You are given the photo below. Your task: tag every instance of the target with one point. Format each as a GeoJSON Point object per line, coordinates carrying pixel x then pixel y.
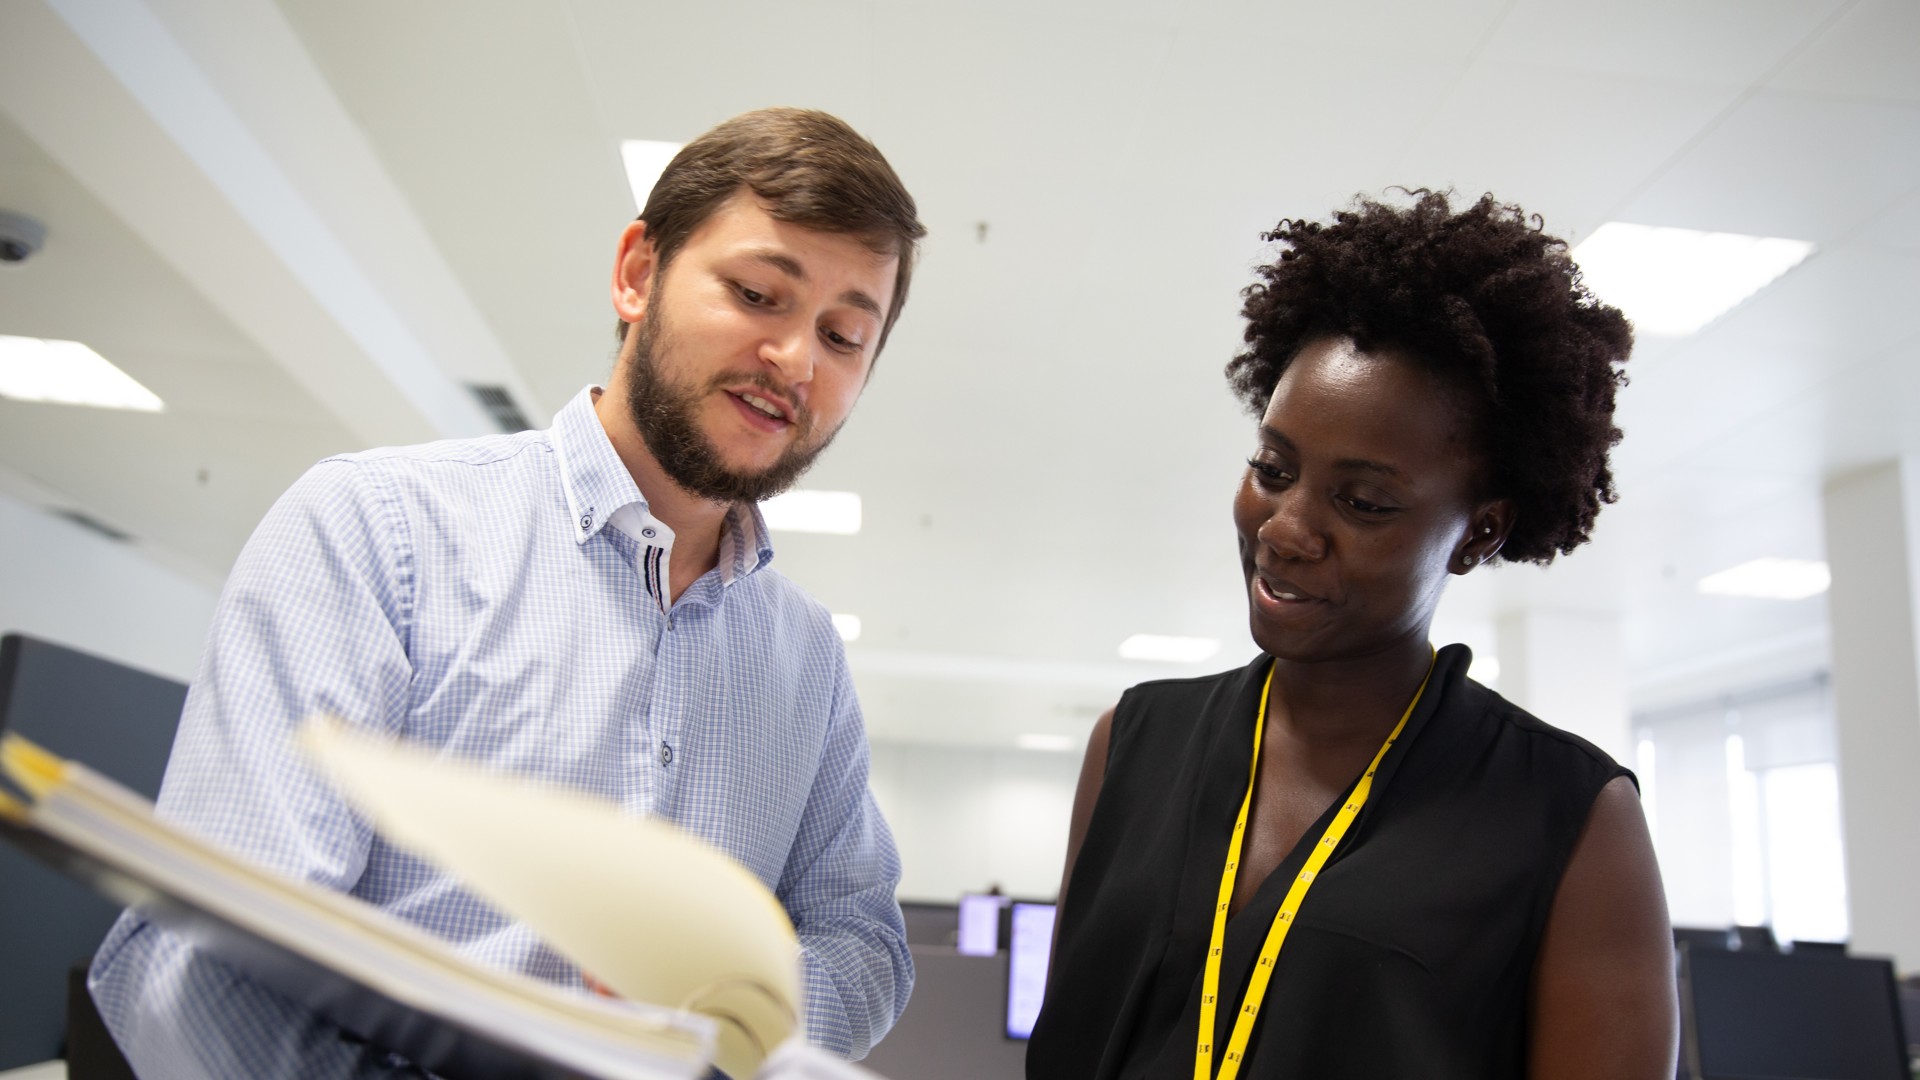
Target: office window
{"type": "Point", "coordinates": [1743, 799]}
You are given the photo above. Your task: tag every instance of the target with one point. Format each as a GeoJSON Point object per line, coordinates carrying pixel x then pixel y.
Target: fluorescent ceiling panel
{"type": "Point", "coordinates": [645, 160]}
{"type": "Point", "coordinates": [1770, 579]}
{"type": "Point", "coordinates": [1177, 650]}
{"type": "Point", "coordinates": [847, 625]}
{"type": "Point", "coordinates": [1672, 282]}
{"type": "Point", "coordinates": [804, 510]}
{"type": "Point", "coordinates": [68, 373]}
{"type": "Point", "coordinates": [1045, 742]}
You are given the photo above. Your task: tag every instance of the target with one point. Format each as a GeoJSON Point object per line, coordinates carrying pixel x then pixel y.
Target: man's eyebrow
{"type": "Point", "coordinates": [1274, 436]}
{"type": "Point", "coordinates": [786, 264]}
{"type": "Point", "coordinates": [791, 267]}
{"type": "Point", "coordinates": [856, 298]}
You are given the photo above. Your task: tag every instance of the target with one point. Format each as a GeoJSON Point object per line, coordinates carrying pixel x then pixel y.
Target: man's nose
{"type": "Point", "coordinates": [791, 352]}
{"type": "Point", "coordinates": [1294, 529]}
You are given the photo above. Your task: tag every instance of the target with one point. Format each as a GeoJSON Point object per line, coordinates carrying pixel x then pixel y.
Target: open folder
{"type": "Point", "coordinates": [721, 989]}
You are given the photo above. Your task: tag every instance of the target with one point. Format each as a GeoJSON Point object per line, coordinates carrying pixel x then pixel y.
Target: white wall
{"type": "Point", "coordinates": [1876, 695]}
{"type": "Point", "coordinates": [968, 818]}
{"type": "Point", "coordinates": [1567, 668]}
{"type": "Point", "coordinates": [64, 583]}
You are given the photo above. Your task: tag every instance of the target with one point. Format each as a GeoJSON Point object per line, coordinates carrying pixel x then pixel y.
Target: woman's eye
{"type": "Point", "coordinates": [1365, 507]}
{"type": "Point", "coordinates": [752, 296]}
{"type": "Point", "coordinates": [1269, 472]}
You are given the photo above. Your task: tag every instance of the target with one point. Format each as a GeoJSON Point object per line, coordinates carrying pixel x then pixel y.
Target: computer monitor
{"type": "Point", "coordinates": [1029, 948]}
{"type": "Point", "coordinates": [1751, 1014]}
{"type": "Point", "coordinates": [1910, 1012]}
{"type": "Point", "coordinates": [1700, 937]}
{"type": "Point", "coordinates": [980, 924]}
{"type": "Point", "coordinates": [1755, 938]}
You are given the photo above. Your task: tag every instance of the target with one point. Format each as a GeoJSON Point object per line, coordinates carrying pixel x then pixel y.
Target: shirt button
{"type": "Point", "coordinates": [666, 755]}
{"type": "Point", "coordinates": [647, 532]}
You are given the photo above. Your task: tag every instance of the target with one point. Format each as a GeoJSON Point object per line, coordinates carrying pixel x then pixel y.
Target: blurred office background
{"type": "Point", "coordinates": [308, 227]}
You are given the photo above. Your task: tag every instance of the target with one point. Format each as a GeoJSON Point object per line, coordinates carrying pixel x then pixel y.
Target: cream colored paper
{"type": "Point", "coordinates": [653, 913]}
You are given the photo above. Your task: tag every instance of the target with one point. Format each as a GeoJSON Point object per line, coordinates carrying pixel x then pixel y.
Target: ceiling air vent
{"type": "Point", "coordinates": [93, 524]}
{"type": "Point", "coordinates": [500, 405]}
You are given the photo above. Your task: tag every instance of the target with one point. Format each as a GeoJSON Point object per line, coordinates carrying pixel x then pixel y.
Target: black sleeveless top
{"type": "Point", "coordinates": [1413, 952]}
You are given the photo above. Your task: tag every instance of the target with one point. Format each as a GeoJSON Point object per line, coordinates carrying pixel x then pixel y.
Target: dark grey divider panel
{"type": "Point", "coordinates": [955, 1025]}
{"type": "Point", "coordinates": [930, 923]}
{"type": "Point", "coordinates": [120, 723]}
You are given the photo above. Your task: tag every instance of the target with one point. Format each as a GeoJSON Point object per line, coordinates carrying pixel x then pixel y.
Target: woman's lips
{"type": "Point", "coordinates": [1280, 597]}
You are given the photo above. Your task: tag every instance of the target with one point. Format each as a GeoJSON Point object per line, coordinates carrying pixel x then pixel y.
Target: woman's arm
{"type": "Point", "coordinates": [1604, 999]}
{"type": "Point", "coordinates": [1093, 772]}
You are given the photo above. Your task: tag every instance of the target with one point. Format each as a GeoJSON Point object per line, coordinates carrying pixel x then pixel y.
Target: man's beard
{"type": "Point", "coordinates": [664, 412]}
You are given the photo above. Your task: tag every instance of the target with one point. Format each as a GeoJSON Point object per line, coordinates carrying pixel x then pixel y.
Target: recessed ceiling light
{"type": "Point", "coordinates": [1054, 743]}
{"type": "Point", "coordinates": [1178, 650]}
{"type": "Point", "coordinates": [1770, 579]}
{"type": "Point", "coordinates": [1672, 282]}
{"type": "Point", "coordinates": [68, 373]}
{"type": "Point", "coordinates": [645, 160]}
{"type": "Point", "coordinates": [847, 625]}
{"type": "Point", "coordinates": [803, 510]}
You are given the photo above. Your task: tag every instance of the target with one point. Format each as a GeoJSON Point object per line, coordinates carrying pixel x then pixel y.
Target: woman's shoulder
{"type": "Point", "coordinates": [1166, 719]}
{"type": "Point", "coordinates": [1547, 738]}
{"type": "Point", "coordinates": [1544, 750]}
{"type": "Point", "coordinates": [1177, 700]}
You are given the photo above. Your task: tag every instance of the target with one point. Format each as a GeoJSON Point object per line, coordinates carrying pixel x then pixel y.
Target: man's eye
{"type": "Point", "coordinates": [838, 341]}
{"type": "Point", "coordinates": [752, 296]}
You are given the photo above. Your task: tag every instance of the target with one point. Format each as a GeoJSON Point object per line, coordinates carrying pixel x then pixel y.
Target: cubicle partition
{"type": "Point", "coordinates": [120, 722]}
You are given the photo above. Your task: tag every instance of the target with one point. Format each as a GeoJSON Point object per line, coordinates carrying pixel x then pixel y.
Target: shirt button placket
{"type": "Point", "coordinates": [668, 706]}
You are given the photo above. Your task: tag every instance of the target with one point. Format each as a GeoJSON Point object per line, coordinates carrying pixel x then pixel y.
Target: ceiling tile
{"type": "Point", "coordinates": [1869, 52]}
{"type": "Point", "coordinates": [1564, 144]}
{"type": "Point", "coordinates": [1723, 42]}
{"type": "Point", "coordinates": [1788, 165]}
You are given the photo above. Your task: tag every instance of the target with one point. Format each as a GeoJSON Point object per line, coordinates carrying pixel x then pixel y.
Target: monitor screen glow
{"type": "Point", "coordinates": [980, 925]}
{"type": "Point", "coordinates": [1028, 953]}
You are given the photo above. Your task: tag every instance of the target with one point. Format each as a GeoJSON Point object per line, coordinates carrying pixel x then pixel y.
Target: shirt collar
{"type": "Point", "coordinates": [744, 545]}
{"type": "Point", "coordinates": [598, 486]}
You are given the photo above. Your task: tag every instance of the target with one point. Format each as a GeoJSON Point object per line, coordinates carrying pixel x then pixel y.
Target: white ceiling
{"type": "Point", "coordinates": [304, 224]}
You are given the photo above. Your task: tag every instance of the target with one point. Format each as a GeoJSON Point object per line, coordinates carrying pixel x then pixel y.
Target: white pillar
{"type": "Point", "coordinates": [1567, 668]}
{"type": "Point", "coordinates": [1876, 704]}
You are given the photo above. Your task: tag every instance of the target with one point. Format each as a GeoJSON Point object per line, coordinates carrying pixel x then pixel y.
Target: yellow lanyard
{"type": "Point", "coordinates": [1289, 908]}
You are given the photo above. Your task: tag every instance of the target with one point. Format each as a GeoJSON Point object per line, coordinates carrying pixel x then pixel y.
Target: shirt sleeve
{"type": "Point", "coordinates": [314, 618]}
{"type": "Point", "coordinates": [839, 888]}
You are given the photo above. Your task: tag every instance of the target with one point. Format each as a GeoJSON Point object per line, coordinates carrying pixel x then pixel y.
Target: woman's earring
{"type": "Point", "coordinates": [1467, 560]}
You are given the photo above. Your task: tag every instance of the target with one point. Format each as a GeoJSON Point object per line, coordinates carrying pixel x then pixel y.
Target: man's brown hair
{"type": "Point", "coordinates": [807, 168]}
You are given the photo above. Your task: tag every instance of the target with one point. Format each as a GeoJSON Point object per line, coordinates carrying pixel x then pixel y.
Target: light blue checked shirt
{"type": "Point", "coordinates": [500, 598]}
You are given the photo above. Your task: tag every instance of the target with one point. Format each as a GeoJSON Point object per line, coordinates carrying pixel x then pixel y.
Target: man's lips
{"type": "Point", "coordinates": [763, 409]}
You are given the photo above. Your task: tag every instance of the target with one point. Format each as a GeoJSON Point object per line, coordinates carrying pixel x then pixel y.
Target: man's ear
{"type": "Point", "coordinates": [634, 267]}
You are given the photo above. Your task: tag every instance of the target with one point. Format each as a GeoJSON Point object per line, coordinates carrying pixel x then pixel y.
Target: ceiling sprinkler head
{"type": "Point", "coordinates": [20, 237]}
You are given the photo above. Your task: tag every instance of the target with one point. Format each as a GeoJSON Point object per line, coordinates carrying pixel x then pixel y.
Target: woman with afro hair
{"type": "Point", "coordinates": [1347, 859]}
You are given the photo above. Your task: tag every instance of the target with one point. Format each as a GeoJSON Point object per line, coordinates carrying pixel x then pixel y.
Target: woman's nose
{"type": "Point", "coordinates": [1293, 529]}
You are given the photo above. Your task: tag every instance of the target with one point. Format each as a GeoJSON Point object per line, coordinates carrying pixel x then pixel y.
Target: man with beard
{"type": "Point", "coordinates": [591, 605]}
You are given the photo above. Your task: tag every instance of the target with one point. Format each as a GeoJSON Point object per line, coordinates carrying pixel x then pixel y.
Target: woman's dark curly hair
{"type": "Point", "coordinates": [1492, 305]}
